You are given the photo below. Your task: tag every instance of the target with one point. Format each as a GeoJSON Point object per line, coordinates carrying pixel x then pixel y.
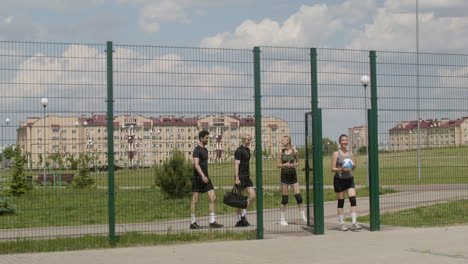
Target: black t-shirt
{"type": "Point", "coordinates": [202, 154]}
{"type": "Point", "coordinates": [243, 155]}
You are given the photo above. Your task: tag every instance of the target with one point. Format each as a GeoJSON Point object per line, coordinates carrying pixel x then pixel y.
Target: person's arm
{"type": "Point", "coordinates": [279, 163]}
{"type": "Point", "coordinates": [333, 163]}
{"type": "Point", "coordinates": [199, 170]}
{"type": "Point", "coordinates": [296, 163]}
{"type": "Point", "coordinates": [236, 171]}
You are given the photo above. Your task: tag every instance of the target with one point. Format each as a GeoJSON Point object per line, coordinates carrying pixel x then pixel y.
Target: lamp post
{"type": "Point", "coordinates": [44, 103]}
{"type": "Point", "coordinates": [364, 82]}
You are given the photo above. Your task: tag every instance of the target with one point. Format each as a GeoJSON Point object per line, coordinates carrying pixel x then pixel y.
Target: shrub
{"type": "Point", "coordinates": [19, 184]}
{"type": "Point", "coordinates": [84, 178]}
{"type": "Point", "coordinates": [6, 207]}
{"type": "Point", "coordinates": [174, 176]}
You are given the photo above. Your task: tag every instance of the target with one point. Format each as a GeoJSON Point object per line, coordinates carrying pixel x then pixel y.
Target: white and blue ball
{"type": "Point", "coordinates": [347, 164]}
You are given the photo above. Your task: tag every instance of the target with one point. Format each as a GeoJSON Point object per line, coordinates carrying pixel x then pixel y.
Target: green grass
{"type": "Point", "coordinates": [438, 166]}
{"type": "Point", "coordinates": [68, 207]}
{"type": "Point", "coordinates": [450, 213]}
{"type": "Point", "coordinates": [126, 240]}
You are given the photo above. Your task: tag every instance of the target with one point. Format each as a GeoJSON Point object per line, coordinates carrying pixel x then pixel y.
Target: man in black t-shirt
{"type": "Point", "coordinates": [242, 174]}
{"type": "Point", "coordinates": [201, 182]}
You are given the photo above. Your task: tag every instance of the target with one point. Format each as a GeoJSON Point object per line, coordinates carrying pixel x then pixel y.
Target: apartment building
{"type": "Point", "coordinates": [432, 133]}
{"type": "Point", "coordinates": [139, 140]}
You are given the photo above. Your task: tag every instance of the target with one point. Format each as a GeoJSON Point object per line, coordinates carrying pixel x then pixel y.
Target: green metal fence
{"type": "Point", "coordinates": [424, 160]}
{"type": "Point", "coordinates": [51, 94]}
{"type": "Point", "coordinates": [117, 114]}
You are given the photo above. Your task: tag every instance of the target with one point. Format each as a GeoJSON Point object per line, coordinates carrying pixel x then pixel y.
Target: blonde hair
{"type": "Point", "coordinates": [290, 145]}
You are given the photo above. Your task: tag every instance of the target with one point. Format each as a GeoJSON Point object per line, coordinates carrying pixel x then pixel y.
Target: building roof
{"type": "Point", "coordinates": [429, 123]}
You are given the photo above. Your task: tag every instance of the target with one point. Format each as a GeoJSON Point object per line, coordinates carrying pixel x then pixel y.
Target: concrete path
{"type": "Point", "coordinates": [389, 202]}
{"type": "Point", "coordinates": [424, 246]}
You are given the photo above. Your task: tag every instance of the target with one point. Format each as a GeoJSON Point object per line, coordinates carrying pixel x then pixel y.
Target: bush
{"type": "Point", "coordinates": [5, 207]}
{"type": "Point", "coordinates": [19, 184]}
{"type": "Point", "coordinates": [174, 176]}
{"type": "Point", "coordinates": [84, 178]}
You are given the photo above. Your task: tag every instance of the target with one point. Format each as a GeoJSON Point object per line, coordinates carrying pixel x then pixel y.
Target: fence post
{"type": "Point", "coordinates": [258, 142]}
{"type": "Point", "coordinates": [373, 149]}
{"type": "Point", "coordinates": [317, 154]}
{"type": "Point", "coordinates": [110, 143]}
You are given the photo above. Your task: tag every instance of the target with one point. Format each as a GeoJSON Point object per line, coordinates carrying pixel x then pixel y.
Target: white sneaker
{"type": "Point", "coordinates": [343, 228]}
{"type": "Point", "coordinates": [357, 226]}
{"type": "Point", "coordinates": [283, 223]}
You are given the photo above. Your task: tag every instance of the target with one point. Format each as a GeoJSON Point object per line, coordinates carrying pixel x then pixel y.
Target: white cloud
{"type": "Point", "coordinates": [168, 11]}
{"type": "Point", "coordinates": [424, 5]}
{"type": "Point", "coordinates": [311, 24]}
{"type": "Point", "coordinates": [397, 31]}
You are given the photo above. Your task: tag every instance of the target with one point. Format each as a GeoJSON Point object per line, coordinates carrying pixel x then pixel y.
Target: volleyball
{"type": "Point", "coordinates": [347, 164]}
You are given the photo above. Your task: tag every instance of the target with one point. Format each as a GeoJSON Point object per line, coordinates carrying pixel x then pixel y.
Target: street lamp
{"type": "Point", "coordinates": [44, 103]}
{"type": "Point", "coordinates": [364, 82]}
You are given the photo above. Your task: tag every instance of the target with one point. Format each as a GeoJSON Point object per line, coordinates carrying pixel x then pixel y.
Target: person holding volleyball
{"type": "Point", "coordinates": [288, 160]}
{"type": "Point", "coordinates": [342, 163]}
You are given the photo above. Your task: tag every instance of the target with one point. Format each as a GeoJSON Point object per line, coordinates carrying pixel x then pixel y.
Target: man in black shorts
{"type": "Point", "coordinates": [201, 182]}
{"type": "Point", "coordinates": [242, 180]}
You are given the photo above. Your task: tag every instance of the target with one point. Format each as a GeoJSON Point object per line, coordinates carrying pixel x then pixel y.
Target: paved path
{"type": "Point", "coordinates": [389, 202]}
{"type": "Point", "coordinates": [415, 246]}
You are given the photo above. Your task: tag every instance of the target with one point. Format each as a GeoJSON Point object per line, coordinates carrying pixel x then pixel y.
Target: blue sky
{"type": "Point", "coordinates": [336, 23]}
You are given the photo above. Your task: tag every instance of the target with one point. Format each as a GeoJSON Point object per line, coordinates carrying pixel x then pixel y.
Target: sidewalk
{"type": "Point", "coordinates": [389, 202]}
{"type": "Point", "coordinates": [424, 245]}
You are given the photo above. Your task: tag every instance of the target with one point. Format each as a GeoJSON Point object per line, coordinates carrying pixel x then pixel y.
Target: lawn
{"type": "Point", "coordinates": [68, 207]}
{"type": "Point", "coordinates": [449, 213]}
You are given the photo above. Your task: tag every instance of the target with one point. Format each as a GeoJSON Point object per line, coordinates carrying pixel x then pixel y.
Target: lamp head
{"type": "Point", "coordinates": [365, 80]}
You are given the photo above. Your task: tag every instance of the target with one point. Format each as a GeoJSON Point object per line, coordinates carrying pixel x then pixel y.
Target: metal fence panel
{"type": "Point", "coordinates": [164, 96]}
{"type": "Point", "coordinates": [61, 129]}
{"type": "Point", "coordinates": [424, 161]}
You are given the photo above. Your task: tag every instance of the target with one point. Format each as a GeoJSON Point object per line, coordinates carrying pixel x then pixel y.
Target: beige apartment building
{"type": "Point", "coordinates": [432, 134]}
{"type": "Point", "coordinates": [357, 137]}
{"type": "Point", "coordinates": [142, 141]}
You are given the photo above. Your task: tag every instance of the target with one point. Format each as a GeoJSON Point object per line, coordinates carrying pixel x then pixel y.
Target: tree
{"type": "Point", "coordinates": [362, 150]}
{"type": "Point", "coordinates": [329, 146]}
{"type": "Point", "coordinates": [19, 184]}
{"type": "Point", "coordinates": [9, 153]}
{"type": "Point", "coordinates": [173, 176]}
{"type": "Point", "coordinates": [72, 162]}
{"type": "Point", "coordinates": [84, 178]}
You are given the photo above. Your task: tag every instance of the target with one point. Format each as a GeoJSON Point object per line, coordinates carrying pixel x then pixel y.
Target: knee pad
{"type": "Point", "coordinates": [340, 203]}
{"type": "Point", "coordinates": [298, 198]}
{"type": "Point", "coordinates": [352, 200]}
{"type": "Point", "coordinates": [284, 200]}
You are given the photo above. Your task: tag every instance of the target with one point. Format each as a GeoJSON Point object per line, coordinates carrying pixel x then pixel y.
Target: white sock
{"type": "Point", "coordinates": [244, 212]}
{"type": "Point", "coordinates": [283, 216]}
{"type": "Point", "coordinates": [341, 218]}
{"type": "Point", "coordinates": [193, 218]}
{"type": "Point", "coordinates": [212, 218]}
{"type": "Point", "coordinates": [239, 217]}
{"type": "Point", "coordinates": [353, 217]}
{"type": "Point", "coordinates": [302, 214]}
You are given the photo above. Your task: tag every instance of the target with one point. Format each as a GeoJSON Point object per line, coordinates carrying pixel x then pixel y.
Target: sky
{"type": "Point", "coordinates": [356, 24]}
{"type": "Point", "coordinates": [383, 25]}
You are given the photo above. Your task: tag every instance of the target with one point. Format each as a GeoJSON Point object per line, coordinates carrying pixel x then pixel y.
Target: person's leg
{"type": "Point", "coordinates": [193, 205]}
{"type": "Point", "coordinates": [193, 222]}
{"type": "Point", "coordinates": [340, 199]}
{"type": "Point", "coordinates": [212, 197]}
{"type": "Point", "coordinates": [353, 203]}
{"type": "Point", "coordinates": [284, 202]}
{"type": "Point", "coordinates": [298, 196]}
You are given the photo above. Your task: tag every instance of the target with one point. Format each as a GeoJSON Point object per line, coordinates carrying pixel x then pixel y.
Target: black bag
{"type": "Point", "coordinates": [235, 199]}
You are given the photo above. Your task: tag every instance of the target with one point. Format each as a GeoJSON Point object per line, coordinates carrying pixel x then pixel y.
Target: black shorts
{"type": "Point", "coordinates": [341, 185]}
{"type": "Point", "coordinates": [199, 186]}
{"type": "Point", "coordinates": [245, 183]}
{"type": "Point", "coordinates": [288, 177]}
